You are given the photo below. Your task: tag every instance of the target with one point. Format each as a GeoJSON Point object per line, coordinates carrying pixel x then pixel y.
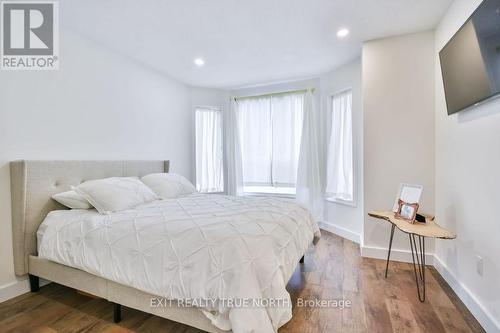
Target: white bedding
{"type": "Point", "coordinates": [209, 247]}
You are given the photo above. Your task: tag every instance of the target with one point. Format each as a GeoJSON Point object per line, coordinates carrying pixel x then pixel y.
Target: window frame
{"type": "Point", "coordinates": [218, 109]}
{"type": "Point", "coordinates": [354, 201]}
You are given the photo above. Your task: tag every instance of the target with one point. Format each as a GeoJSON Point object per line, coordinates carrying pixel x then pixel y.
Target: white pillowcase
{"type": "Point", "coordinates": [72, 200]}
{"type": "Point", "coordinates": [168, 185]}
{"type": "Point", "coordinates": [115, 194]}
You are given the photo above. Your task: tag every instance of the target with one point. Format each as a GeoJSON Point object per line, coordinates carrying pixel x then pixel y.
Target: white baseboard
{"type": "Point", "coordinates": [14, 289]}
{"type": "Point", "coordinates": [17, 288]}
{"type": "Point", "coordinates": [396, 254]}
{"type": "Point", "coordinates": [342, 232]}
{"type": "Point", "coordinates": [485, 318]}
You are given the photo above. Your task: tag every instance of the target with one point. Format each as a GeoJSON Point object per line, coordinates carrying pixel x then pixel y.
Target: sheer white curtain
{"type": "Point", "coordinates": [254, 121]}
{"type": "Point", "coordinates": [309, 188]}
{"type": "Point", "coordinates": [340, 155]}
{"type": "Point", "coordinates": [209, 160]}
{"type": "Point", "coordinates": [287, 122]}
{"type": "Point", "coordinates": [270, 129]}
{"type": "Point", "coordinates": [275, 140]}
{"type": "Point", "coordinates": [234, 185]}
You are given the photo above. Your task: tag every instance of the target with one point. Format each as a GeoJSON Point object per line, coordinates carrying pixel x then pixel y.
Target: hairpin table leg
{"type": "Point", "coordinates": [418, 252]}
{"type": "Point", "coordinates": [389, 252]}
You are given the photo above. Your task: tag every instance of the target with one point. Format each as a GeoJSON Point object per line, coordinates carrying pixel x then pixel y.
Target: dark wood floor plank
{"type": "Point", "coordinates": [40, 317]}
{"type": "Point", "coordinates": [330, 318]}
{"type": "Point", "coordinates": [375, 290]}
{"type": "Point", "coordinates": [73, 321]}
{"type": "Point", "coordinates": [401, 315]}
{"type": "Point", "coordinates": [462, 309]}
{"type": "Point", "coordinates": [333, 271]}
{"type": "Point", "coordinates": [425, 313]}
{"type": "Point", "coordinates": [351, 255]}
{"type": "Point", "coordinates": [354, 317]}
{"type": "Point", "coordinates": [452, 320]}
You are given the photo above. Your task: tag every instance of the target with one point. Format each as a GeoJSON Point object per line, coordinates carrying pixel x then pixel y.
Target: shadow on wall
{"type": "Point", "coordinates": [5, 199]}
{"type": "Point", "coordinates": [6, 253]}
{"type": "Point", "coordinates": [486, 109]}
{"type": "Point", "coordinates": [464, 245]}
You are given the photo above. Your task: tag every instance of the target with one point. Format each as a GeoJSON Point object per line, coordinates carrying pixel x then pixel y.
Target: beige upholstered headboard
{"type": "Point", "coordinates": [34, 182]}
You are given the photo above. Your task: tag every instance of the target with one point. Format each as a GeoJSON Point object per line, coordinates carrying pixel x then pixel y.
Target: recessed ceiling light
{"type": "Point", "coordinates": [199, 62]}
{"type": "Point", "coordinates": [342, 32]}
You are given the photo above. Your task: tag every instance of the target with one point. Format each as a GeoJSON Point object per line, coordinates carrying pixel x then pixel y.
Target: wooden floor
{"type": "Point", "coordinates": [332, 270]}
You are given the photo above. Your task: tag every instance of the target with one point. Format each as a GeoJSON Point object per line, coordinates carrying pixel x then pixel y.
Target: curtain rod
{"type": "Point", "coordinates": [277, 93]}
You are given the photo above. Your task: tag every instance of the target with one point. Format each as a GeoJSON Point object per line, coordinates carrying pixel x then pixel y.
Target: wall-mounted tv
{"type": "Point", "coordinates": [470, 61]}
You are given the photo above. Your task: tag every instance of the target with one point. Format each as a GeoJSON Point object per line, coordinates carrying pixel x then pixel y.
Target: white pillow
{"type": "Point", "coordinates": [168, 185]}
{"type": "Point", "coordinates": [72, 200]}
{"type": "Point", "coordinates": [115, 194]}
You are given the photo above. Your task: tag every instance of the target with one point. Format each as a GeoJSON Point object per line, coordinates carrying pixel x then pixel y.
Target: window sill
{"type": "Point", "coordinates": [265, 194]}
{"type": "Point", "coordinates": [268, 191]}
{"type": "Point", "coordinates": [342, 202]}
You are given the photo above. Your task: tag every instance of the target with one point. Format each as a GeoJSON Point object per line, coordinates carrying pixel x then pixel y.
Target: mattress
{"type": "Point", "coordinates": [229, 256]}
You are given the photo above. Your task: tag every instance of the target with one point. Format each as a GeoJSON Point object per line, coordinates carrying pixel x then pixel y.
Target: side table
{"type": "Point", "coordinates": [415, 231]}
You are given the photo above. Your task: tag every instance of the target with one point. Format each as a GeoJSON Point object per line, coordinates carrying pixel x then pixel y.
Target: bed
{"type": "Point", "coordinates": [241, 220]}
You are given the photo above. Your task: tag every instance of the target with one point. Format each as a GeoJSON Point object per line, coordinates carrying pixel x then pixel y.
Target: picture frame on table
{"type": "Point", "coordinates": [408, 193]}
{"type": "Point", "coordinates": [406, 211]}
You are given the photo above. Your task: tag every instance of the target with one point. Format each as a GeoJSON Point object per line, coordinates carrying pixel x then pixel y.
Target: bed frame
{"type": "Point", "coordinates": [32, 185]}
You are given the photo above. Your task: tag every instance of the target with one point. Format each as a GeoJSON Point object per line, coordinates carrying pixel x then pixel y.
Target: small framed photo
{"type": "Point", "coordinates": [407, 211]}
{"type": "Point", "coordinates": [408, 193]}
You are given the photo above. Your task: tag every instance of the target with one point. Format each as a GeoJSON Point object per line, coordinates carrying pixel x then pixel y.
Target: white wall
{"type": "Point", "coordinates": [468, 189]}
{"type": "Point", "coordinates": [208, 97]}
{"type": "Point", "coordinates": [398, 103]}
{"type": "Point", "coordinates": [99, 105]}
{"type": "Point", "coordinates": [342, 219]}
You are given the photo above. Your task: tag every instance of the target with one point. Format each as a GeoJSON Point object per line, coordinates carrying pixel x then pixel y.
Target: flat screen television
{"type": "Point", "coordinates": [470, 61]}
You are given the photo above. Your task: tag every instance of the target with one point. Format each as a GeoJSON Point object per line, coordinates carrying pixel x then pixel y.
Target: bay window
{"type": "Point", "coordinates": [270, 129]}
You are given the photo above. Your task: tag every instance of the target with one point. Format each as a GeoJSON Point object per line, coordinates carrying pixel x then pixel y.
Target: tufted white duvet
{"type": "Point", "coordinates": [231, 255]}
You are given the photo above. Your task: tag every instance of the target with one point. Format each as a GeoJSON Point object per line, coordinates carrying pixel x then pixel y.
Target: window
{"type": "Point", "coordinates": [209, 165]}
{"type": "Point", "coordinates": [270, 130]}
{"type": "Point", "coordinates": [340, 157]}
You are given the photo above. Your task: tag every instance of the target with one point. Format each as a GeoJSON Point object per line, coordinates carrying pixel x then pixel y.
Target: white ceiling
{"type": "Point", "coordinates": [244, 42]}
